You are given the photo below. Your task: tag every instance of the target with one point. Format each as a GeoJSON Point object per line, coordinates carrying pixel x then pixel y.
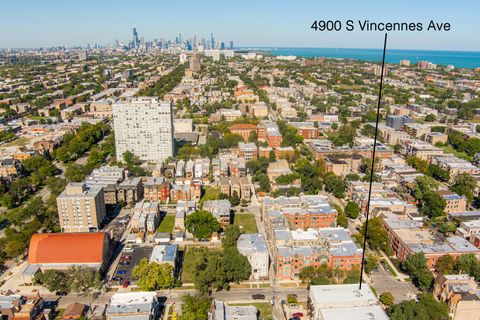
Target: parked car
{"type": "Point", "coordinates": [117, 279]}
{"type": "Point", "coordinates": [127, 249]}
{"type": "Point", "coordinates": [124, 263]}
{"type": "Point", "coordinates": [126, 283]}
{"type": "Point", "coordinates": [297, 315]}
{"type": "Point", "coordinates": [122, 272]}
{"type": "Point", "coordinates": [126, 257]}
{"type": "Point", "coordinates": [258, 296]}
{"type": "Point", "coordinates": [61, 293]}
{"type": "Point", "coordinates": [294, 319]}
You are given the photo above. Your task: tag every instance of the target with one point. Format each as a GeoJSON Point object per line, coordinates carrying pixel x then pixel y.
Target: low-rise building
{"type": "Point", "coordinates": [461, 293]}
{"type": "Point", "coordinates": [247, 151]}
{"type": "Point", "coordinates": [221, 209]}
{"type": "Point", "coordinates": [254, 247]}
{"type": "Point", "coordinates": [221, 311]}
{"type": "Point", "coordinates": [61, 251]}
{"type": "Point", "coordinates": [133, 305]}
{"type": "Point", "coordinates": [165, 253]}
{"type": "Point", "coordinates": [344, 301]}
{"type": "Point", "coordinates": [407, 237]}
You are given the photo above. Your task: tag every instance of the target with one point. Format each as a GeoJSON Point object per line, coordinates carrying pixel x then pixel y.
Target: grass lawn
{"type": "Point", "coordinates": [167, 224]}
{"type": "Point", "coordinates": [265, 309]}
{"type": "Point", "coordinates": [462, 155]}
{"type": "Point", "coordinates": [210, 194]}
{"type": "Point", "coordinates": [246, 222]}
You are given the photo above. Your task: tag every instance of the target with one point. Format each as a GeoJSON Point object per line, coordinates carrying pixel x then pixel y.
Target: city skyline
{"type": "Point", "coordinates": [53, 24]}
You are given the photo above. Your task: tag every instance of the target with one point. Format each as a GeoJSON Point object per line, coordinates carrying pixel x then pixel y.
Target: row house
{"type": "Point", "coordinates": [156, 189]}
{"type": "Point", "coordinates": [240, 185]}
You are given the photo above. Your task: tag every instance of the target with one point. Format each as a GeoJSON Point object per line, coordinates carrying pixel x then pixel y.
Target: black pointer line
{"type": "Point", "coordinates": [373, 162]}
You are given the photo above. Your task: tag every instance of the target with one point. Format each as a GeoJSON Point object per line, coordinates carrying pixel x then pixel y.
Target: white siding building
{"type": "Point", "coordinates": [144, 126]}
{"type": "Point", "coordinates": [254, 247]}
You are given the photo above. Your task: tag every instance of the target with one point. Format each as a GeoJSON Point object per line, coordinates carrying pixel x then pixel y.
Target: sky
{"type": "Point", "coordinates": [268, 23]}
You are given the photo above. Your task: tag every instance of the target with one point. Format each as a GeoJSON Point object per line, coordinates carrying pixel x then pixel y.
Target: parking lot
{"type": "Point", "coordinates": [125, 265]}
{"type": "Point", "coordinates": [383, 281]}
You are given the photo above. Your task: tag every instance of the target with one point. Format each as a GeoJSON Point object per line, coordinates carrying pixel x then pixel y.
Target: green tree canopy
{"type": "Point", "coordinates": [153, 276]}
{"type": "Point", "coordinates": [202, 224]}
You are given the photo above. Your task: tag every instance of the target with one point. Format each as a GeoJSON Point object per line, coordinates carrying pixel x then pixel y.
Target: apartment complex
{"type": "Point", "coordinates": [144, 126]}
{"type": "Point", "coordinates": [408, 237]}
{"type": "Point", "coordinates": [81, 208]}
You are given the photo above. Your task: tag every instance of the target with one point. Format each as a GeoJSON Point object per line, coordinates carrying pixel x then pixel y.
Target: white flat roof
{"type": "Point", "coordinates": [356, 313]}
{"type": "Point", "coordinates": [342, 295]}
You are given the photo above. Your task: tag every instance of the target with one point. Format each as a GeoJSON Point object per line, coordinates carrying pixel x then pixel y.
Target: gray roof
{"type": "Point", "coordinates": [251, 243]}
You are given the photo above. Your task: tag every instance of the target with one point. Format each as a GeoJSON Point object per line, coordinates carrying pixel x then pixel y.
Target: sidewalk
{"type": "Point", "coordinates": [400, 276]}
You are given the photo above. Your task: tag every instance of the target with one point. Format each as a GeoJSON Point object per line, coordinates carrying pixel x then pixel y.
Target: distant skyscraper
{"type": "Point", "coordinates": [231, 45]}
{"type": "Point", "coordinates": [135, 39]}
{"type": "Point", "coordinates": [222, 46]}
{"type": "Point", "coordinates": [212, 41]}
{"type": "Point", "coordinates": [144, 126]}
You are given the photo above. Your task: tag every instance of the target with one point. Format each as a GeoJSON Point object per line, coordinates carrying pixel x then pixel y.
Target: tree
{"type": "Point", "coordinates": [202, 224]}
{"type": "Point", "coordinates": [195, 307]}
{"type": "Point", "coordinates": [230, 236]}
{"type": "Point", "coordinates": [342, 220]}
{"type": "Point", "coordinates": [76, 279]}
{"type": "Point", "coordinates": [84, 280]}
{"type": "Point", "coordinates": [446, 264]}
{"type": "Point", "coordinates": [427, 308]}
{"type": "Point", "coordinates": [234, 199]}
{"type": "Point", "coordinates": [387, 298]}
{"type": "Point", "coordinates": [54, 280]}
{"type": "Point", "coordinates": [371, 262]}
{"type": "Point", "coordinates": [377, 236]}
{"type": "Point", "coordinates": [216, 268]}
{"type": "Point", "coordinates": [425, 191]}
{"type": "Point", "coordinates": [469, 264]}
{"type": "Point", "coordinates": [416, 266]}
{"type": "Point", "coordinates": [271, 156]}
{"type": "Point", "coordinates": [153, 276]}
{"type": "Point", "coordinates": [438, 173]}
{"type": "Point", "coordinates": [344, 135]}
{"type": "Point", "coordinates": [433, 204]}
{"type": "Point", "coordinates": [352, 210]}
{"type": "Point", "coordinates": [335, 185]}
{"type": "Point", "coordinates": [430, 117]}
{"type": "Point", "coordinates": [465, 185]}
{"type": "Point", "coordinates": [397, 148]}
{"type": "Point", "coordinates": [352, 177]}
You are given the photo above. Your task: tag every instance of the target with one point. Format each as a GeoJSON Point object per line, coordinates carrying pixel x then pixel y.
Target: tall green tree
{"type": "Point", "coordinates": [195, 307]}
{"type": "Point", "coordinates": [202, 224]}
{"type": "Point", "coordinates": [464, 185]}
{"type": "Point", "coordinates": [153, 276]}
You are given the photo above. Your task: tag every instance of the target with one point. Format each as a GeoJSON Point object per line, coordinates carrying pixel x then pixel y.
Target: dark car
{"type": "Point", "coordinates": [124, 263]}
{"type": "Point", "coordinates": [258, 296]}
{"type": "Point", "coordinates": [121, 272]}
{"type": "Point", "coordinates": [60, 293]}
{"type": "Point", "coordinates": [117, 279]}
{"type": "Point", "coordinates": [294, 319]}
{"type": "Point", "coordinates": [297, 315]}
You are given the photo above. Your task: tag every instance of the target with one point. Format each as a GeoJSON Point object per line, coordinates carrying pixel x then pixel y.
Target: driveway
{"type": "Point", "coordinates": [384, 281]}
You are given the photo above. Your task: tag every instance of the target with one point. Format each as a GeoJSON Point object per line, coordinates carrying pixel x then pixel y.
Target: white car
{"type": "Point", "coordinates": [127, 249]}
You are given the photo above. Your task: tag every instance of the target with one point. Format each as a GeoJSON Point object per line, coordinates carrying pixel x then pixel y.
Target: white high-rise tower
{"type": "Point", "coordinates": [144, 126]}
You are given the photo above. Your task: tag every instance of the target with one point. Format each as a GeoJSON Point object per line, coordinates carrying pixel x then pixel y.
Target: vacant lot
{"type": "Point", "coordinates": [246, 222]}
{"type": "Point", "coordinates": [265, 309]}
{"type": "Point", "coordinates": [167, 224]}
